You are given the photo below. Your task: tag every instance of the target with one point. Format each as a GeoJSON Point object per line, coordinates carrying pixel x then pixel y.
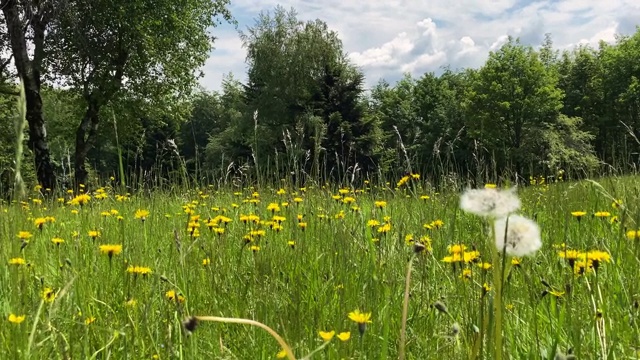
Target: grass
{"type": "Point", "coordinates": [333, 267]}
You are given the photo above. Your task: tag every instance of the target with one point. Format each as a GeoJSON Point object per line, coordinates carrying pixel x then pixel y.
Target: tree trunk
{"type": "Point", "coordinates": [29, 71]}
{"type": "Point", "coordinates": [85, 137]}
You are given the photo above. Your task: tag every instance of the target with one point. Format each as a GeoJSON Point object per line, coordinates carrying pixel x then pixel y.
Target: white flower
{"type": "Point", "coordinates": [522, 235]}
{"type": "Point", "coordinates": [489, 202]}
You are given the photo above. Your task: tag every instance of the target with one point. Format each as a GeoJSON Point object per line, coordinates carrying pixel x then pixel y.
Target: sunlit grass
{"type": "Point", "coordinates": [113, 274]}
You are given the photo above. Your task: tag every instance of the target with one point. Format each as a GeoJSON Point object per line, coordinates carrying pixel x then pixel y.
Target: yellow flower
{"type": "Point", "coordinates": [466, 274]}
{"type": "Point", "coordinates": [89, 320]}
{"type": "Point", "coordinates": [515, 261]}
{"type": "Point", "coordinates": [403, 181]}
{"type": "Point", "coordinates": [633, 234]}
{"type": "Point", "coordinates": [556, 293]}
{"type": "Point", "coordinates": [254, 248]}
{"type": "Point", "coordinates": [24, 235]}
{"type": "Point", "coordinates": [457, 248]}
{"type": "Point", "coordinates": [578, 214]}
{"type": "Point", "coordinates": [141, 270]}
{"type": "Point", "coordinates": [485, 266]}
{"type": "Point", "coordinates": [94, 234]}
{"type": "Point", "coordinates": [273, 207]}
{"type": "Point", "coordinates": [48, 295]}
{"type": "Point", "coordinates": [173, 296]}
{"type": "Point", "coordinates": [302, 225]}
{"type": "Point", "coordinates": [424, 197]}
{"type": "Point", "coordinates": [359, 317]}
{"type": "Point", "coordinates": [616, 204]}
{"type": "Point", "coordinates": [81, 200]}
{"type": "Point", "coordinates": [327, 335]}
{"type": "Point", "coordinates": [384, 228]}
{"type": "Point", "coordinates": [490, 186]}
{"type": "Point", "coordinates": [206, 262]}
{"type": "Point", "coordinates": [131, 303]}
{"type": "Point", "coordinates": [39, 222]}
{"type": "Point", "coordinates": [373, 223]}
{"type": "Point", "coordinates": [17, 261]}
{"type": "Point", "coordinates": [111, 249]}
{"type": "Point", "coordinates": [602, 214]}
{"type": "Point", "coordinates": [16, 319]}
{"type": "Point", "coordinates": [142, 214]}
{"type": "Point", "coordinates": [344, 336]}
{"type": "Point", "coordinates": [380, 204]}
{"type": "Point", "coordinates": [297, 200]}
{"type": "Point", "coordinates": [282, 354]}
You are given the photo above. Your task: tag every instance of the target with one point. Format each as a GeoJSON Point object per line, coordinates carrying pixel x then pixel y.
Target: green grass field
{"type": "Point", "coordinates": [200, 253]}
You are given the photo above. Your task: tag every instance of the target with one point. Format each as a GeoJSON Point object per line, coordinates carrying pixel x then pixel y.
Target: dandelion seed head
{"type": "Point", "coordinates": [522, 236]}
{"type": "Point", "coordinates": [489, 202]}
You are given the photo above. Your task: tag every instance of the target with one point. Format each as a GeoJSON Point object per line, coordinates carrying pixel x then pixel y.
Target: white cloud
{"type": "Point", "coordinates": [388, 37]}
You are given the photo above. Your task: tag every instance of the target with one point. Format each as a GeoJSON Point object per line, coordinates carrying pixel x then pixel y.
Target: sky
{"type": "Point", "coordinates": [388, 38]}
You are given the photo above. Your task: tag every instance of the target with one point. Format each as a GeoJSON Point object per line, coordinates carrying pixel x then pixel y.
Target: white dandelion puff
{"type": "Point", "coordinates": [490, 202]}
{"type": "Point", "coordinates": [522, 236]}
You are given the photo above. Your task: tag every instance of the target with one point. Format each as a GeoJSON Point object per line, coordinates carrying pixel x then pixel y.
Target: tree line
{"type": "Point", "coordinates": [303, 113]}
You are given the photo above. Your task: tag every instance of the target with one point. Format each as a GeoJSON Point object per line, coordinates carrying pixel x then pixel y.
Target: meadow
{"type": "Point", "coordinates": [107, 275]}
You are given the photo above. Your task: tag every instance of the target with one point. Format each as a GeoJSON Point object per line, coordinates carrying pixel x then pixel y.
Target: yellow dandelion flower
{"type": "Point", "coordinates": [633, 234]}
{"type": "Point", "coordinates": [173, 296]}
{"type": "Point", "coordinates": [139, 270]}
{"type": "Point", "coordinates": [111, 249]}
{"type": "Point", "coordinates": [141, 214]}
{"type": "Point", "coordinates": [297, 200]}
{"type": "Point", "coordinates": [94, 234]}
{"type": "Point", "coordinates": [282, 354]}
{"type": "Point", "coordinates": [17, 261]}
{"type": "Point", "coordinates": [131, 303]}
{"type": "Point", "coordinates": [57, 241]}
{"type": "Point", "coordinates": [484, 266]}
{"type": "Point", "coordinates": [254, 248]}
{"type": "Point", "coordinates": [602, 214]}
{"type": "Point", "coordinates": [360, 317]}
{"type": "Point", "coordinates": [90, 320]}
{"type": "Point", "coordinates": [424, 197]}
{"type": "Point", "coordinates": [456, 248]}
{"type": "Point", "coordinates": [326, 335]}
{"type": "Point", "coordinates": [16, 319]}
{"type": "Point", "coordinates": [490, 186]}
{"type": "Point", "coordinates": [48, 295]}
{"type": "Point", "coordinates": [466, 274]}
{"type": "Point", "coordinates": [273, 207]}
{"type": "Point", "coordinates": [302, 225]}
{"type": "Point", "coordinates": [24, 235]}
{"type": "Point", "coordinates": [380, 204]}
{"type": "Point", "coordinates": [39, 222]}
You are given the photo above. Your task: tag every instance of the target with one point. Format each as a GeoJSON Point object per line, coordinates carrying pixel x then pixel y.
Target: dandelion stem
{"type": "Point", "coordinates": [271, 332]}
{"type": "Point", "coordinates": [405, 310]}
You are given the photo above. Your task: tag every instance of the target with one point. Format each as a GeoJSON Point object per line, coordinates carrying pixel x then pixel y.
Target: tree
{"type": "Point", "coordinates": [26, 28]}
{"type": "Point", "coordinates": [148, 50]}
{"type": "Point", "coordinates": [511, 98]}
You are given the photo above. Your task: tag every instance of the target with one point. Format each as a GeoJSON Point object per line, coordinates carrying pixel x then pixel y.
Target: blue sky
{"type": "Point", "coordinates": [387, 38]}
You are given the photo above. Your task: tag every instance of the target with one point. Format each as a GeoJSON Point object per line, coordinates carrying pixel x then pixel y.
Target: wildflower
{"type": "Point", "coordinates": [139, 270]}
{"type": "Point", "coordinates": [596, 257]}
{"type": "Point", "coordinates": [254, 248]}
{"type": "Point", "coordinates": [17, 261]}
{"type": "Point", "coordinates": [281, 192]}
{"type": "Point", "coordinates": [48, 295]}
{"type": "Point", "coordinates": [326, 335]}
{"type": "Point", "coordinates": [602, 214]}
{"type": "Point", "coordinates": [348, 200]}
{"type": "Point", "coordinates": [522, 236]}
{"type": "Point", "coordinates": [380, 204]}
{"type": "Point", "coordinates": [457, 248]}
{"type": "Point", "coordinates": [173, 296]}
{"type": "Point", "coordinates": [39, 222]}
{"type": "Point", "coordinates": [424, 197]}
{"type": "Point", "coordinates": [633, 234]}
{"type": "Point", "coordinates": [403, 181]}
{"type": "Point", "coordinates": [141, 214]}
{"type": "Point", "coordinates": [373, 223]}
{"type": "Point", "coordinates": [614, 220]}
{"type": "Point", "coordinates": [302, 225]}
{"type": "Point", "coordinates": [94, 234]}
{"type": "Point", "coordinates": [336, 197]}
{"type": "Point", "coordinates": [485, 266]}
{"type": "Point", "coordinates": [485, 288]}
{"type": "Point", "coordinates": [206, 262]}
{"type": "Point", "coordinates": [616, 204]}
{"type": "Point", "coordinates": [359, 317]}
{"type": "Point", "coordinates": [344, 336]}
{"type": "Point", "coordinates": [16, 319]}
{"type": "Point", "coordinates": [131, 303]}
{"type": "Point", "coordinates": [490, 186]}
{"type": "Point", "coordinates": [282, 354]}
{"type": "Point", "coordinates": [466, 274]}
{"type": "Point", "coordinates": [292, 244]}
{"type": "Point", "coordinates": [582, 267]}
{"type": "Point", "coordinates": [470, 256]}
{"type": "Point", "coordinates": [89, 320]}
{"type": "Point", "coordinates": [24, 235]}
{"type": "Point", "coordinates": [384, 228]}
{"type": "Point", "coordinates": [111, 250]}
{"type": "Point", "coordinates": [515, 261]}
{"type": "Point", "coordinates": [362, 319]}
{"type": "Point", "coordinates": [556, 293]}
{"type": "Point", "coordinates": [81, 200]}
{"type": "Point", "coordinates": [489, 202]}
{"type": "Point", "coordinates": [273, 207]}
